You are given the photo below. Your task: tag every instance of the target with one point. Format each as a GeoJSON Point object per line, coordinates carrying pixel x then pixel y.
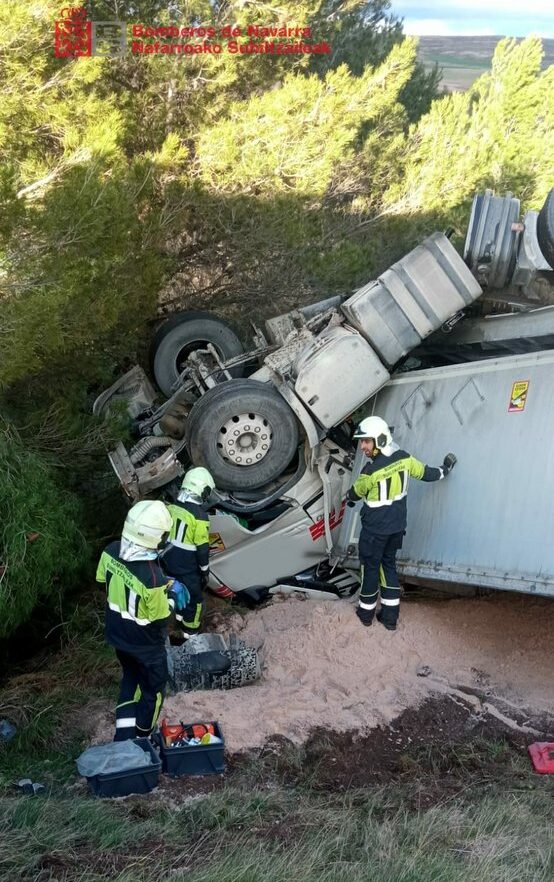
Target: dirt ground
{"type": "Point", "coordinates": [436, 750]}
{"type": "Point", "coordinates": [323, 669]}
{"type": "Point", "coordinates": [324, 672]}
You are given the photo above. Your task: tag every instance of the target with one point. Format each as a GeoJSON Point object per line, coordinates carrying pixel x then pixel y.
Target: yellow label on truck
{"type": "Point", "coordinates": [518, 397]}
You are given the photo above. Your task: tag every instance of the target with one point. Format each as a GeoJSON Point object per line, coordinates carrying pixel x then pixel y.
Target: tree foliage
{"type": "Point", "coordinates": [497, 134]}
{"type": "Point", "coordinates": [77, 231]}
{"type": "Point", "coordinates": [363, 33]}
{"type": "Point", "coordinates": [291, 139]}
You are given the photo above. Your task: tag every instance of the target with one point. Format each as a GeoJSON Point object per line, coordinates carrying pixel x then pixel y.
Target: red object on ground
{"type": "Point", "coordinates": [222, 591]}
{"type": "Point", "coordinates": [542, 757]}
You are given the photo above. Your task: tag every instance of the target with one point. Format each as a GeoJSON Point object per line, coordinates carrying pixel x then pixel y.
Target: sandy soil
{"type": "Point", "coordinates": [322, 668]}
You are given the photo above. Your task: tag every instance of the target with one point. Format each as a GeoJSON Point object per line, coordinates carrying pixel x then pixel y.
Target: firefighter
{"type": "Point", "coordinates": [186, 557]}
{"type": "Point", "coordinates": [383, 485]}
{"type": "Point", "coordinates": [139, 601]}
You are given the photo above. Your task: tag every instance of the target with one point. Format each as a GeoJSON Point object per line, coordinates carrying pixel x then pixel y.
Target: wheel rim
{"type": "Point", "coordinates": [188, 349]}
{"type": "Point", "coordinates": [245, 439]}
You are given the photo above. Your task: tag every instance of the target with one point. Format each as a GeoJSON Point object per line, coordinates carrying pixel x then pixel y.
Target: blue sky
{"type": "Point", "coordinates": [511, 18]}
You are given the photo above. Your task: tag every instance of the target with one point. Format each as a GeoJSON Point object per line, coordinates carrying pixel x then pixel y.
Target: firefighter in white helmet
{"type": "Point", "coordinates": [139, 600]}
{"type": "Point", "coordinates": [187, 555]}
{"type": "Point", "coordinates": [383, 485]}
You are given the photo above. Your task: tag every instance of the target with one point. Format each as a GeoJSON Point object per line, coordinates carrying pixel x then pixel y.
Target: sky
{"type": "Point", "coordinates": [510, 18]}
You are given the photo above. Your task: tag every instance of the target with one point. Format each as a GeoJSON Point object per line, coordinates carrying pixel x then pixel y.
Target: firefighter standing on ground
{"type": "Point", "coordinates": [187, 555]}
{"type": "Point", "coordinates": [383, 485]}
{"type": "Point", "coordinates": [139, 601]}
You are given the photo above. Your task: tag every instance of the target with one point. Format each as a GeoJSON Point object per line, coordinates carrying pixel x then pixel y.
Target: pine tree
{"type": "Point", "coordinates": [42, 551]}
{"type": "Point", "coordinates": [497, 134]}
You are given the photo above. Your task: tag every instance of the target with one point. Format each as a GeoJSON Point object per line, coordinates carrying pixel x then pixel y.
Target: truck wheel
{"type": "Point", "coordinates": [243, 432]}
{"type": "Point", "coordinates": [182, 334]}
{"type": "Point", "coordinates": [545, 229]}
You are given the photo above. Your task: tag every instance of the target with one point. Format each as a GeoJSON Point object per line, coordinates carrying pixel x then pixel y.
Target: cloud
{"type": "Point", "coordinates": [477, 17]}
{"type": "Point", "coordinates": [459, 8]}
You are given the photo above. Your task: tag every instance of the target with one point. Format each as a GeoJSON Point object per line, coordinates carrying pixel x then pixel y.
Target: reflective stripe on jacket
{"type": "Point", "coordinates": [137, 606]}
{"type": "Point", "coordinates": [383, 485]}
{"type": "Point", "coordinates": [187, 553]}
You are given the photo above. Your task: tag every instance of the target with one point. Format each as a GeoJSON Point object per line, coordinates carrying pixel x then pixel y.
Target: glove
{"type": "Point", "coordinates": [179, 594]}
{"type": "Point", "coordinates": [448, 463]}
{"type": "Point", "coordinates": [204, 577]}
{"type": "Point", "coordinates": [352, 498]}
{"type": "Point", "coordinates": [365, 616]}
{"type": "Point", "coordinates": [209, 497]}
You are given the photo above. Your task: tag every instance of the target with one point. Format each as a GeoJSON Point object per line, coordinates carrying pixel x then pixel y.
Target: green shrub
{"type": "Point", "coordinates": [42, 551]}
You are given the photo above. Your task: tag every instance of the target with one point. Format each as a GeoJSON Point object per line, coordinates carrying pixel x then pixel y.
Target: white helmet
{"type": "Point", "coordinates": [198, 481]}
{"type": "Point", "coordinates": [376, 428]}
{"type": "Point", "coordinates": [146, 523]}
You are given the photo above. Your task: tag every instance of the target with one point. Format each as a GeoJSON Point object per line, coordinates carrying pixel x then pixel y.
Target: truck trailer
{"type": "Point", "coordinates": [489, 525]}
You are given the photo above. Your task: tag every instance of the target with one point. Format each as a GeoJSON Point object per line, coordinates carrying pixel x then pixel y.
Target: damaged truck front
{"type": "Point", "coordinates": [271, 424]}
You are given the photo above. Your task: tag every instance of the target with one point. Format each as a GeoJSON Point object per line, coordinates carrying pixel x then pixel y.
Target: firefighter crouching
{"type": "Point", "coordinates": [139, 600]}
{"type": "Point", "coordinates": [383, 485]}
{"type": "Point", "coordinates": [186, 556]}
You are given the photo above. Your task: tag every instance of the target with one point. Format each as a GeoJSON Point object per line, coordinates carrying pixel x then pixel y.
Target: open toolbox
{"type": "Point", "coordinates": [180, 756]}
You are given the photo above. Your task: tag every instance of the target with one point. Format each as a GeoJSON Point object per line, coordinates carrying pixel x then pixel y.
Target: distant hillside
{"type": "Point", "coordinates": [463, 59]}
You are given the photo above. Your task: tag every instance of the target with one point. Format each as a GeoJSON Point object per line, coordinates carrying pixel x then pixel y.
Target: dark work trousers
{"type": "Point", "coordinates": [141, 692]}
{"type": "Point", "coordinates": [190, 618]}
{"type": "Point", "coordinates": [378, 559]}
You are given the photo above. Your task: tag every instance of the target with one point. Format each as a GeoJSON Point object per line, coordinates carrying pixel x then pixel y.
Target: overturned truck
{"type": "Point", "coordinates": [416, 345]}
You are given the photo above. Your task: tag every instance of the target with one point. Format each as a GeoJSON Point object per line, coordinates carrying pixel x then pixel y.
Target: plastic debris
{"type": "Point", "coordinates": [424, 671]}
{"type": "Point", "coordinates": [542, 757]}
{"type": "Point", "coordinates": [7, 730]}
{"type": "Point", "coordinates": [30, 788]}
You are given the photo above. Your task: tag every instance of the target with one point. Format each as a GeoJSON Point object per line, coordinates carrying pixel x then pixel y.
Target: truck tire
{"type": "Point", "coordinates": [545, 229]}
{"type": "Point", "coordinates": [180, 335]}
{"type": "Point", "coordinates": [243, 432]}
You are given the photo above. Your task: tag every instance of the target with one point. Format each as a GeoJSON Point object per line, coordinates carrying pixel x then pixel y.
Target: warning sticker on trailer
{"type": "Point", "coordinates": [518, 398]}
{"type": "Point", "coordinates": [216, 542]}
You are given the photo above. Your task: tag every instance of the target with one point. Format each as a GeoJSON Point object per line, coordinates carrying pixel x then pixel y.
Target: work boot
{"type": "Point", "coordinates": [187, 633]}
{"type": "Point", "coordinates": [365, 616]}
{"type": "Point", "coordinates": [390, 626]}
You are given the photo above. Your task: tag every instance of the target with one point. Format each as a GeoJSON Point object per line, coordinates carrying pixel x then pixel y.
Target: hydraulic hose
{"type": "Point", "coordinates": [140, 450]}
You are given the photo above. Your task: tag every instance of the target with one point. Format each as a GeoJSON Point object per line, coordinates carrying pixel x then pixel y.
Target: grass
{"type": "Point", "coordinates": [269, 821]}
{"type": "Point", "coordinates": [50, 700]}
{"type": "Point", "coordinates": [239, 836]}
{"type": "Point", "coordinates": [458, 61]}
